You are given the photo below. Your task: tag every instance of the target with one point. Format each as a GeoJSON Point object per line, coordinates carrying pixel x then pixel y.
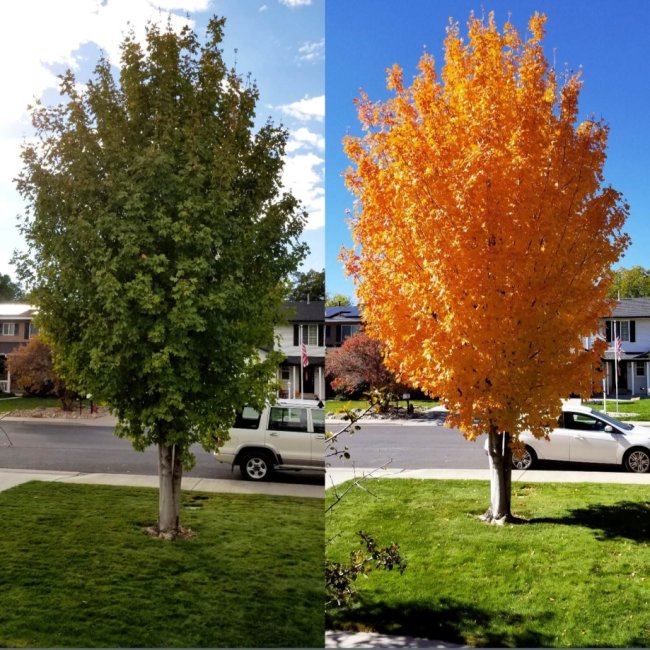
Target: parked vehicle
{"type": "Point", "coordinates": [288, 435]}
{"type": "Point", "coordinates": [584, 435]}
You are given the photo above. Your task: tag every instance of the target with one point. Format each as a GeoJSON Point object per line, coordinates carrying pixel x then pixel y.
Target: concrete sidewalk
{"type": "Point", "coordinates": [11, 477]}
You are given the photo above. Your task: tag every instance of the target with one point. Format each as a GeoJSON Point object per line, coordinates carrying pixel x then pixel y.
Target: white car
{"type": "Point", "coordinates": [584, 435]}
{"type": "Point", "coordinates": [288, 435]}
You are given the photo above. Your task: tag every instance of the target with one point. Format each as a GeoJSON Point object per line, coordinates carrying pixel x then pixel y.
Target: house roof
{"type": "Point", "coordinates": [632, 308]}
{"type": "Point", "coordinates": [305, 312]}
{"type": "Point", "coordinates": [625, 356]}
{"type": "Point", "coordinates": [16, 311]}
{"type": "Point", "coordinates": [292, 360]}
{"type": "Point", "coordinates": [343, 312]}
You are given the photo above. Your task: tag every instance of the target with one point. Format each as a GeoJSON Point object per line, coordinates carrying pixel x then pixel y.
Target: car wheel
{"type": "Point", "coordinates": [526, 460]}
{"type": "Point", "coordinates": [256, 466]}
{"type": "Point", "coordinates": [637, 460]}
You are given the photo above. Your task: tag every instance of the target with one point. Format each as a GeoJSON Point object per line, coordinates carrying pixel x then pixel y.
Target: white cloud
{"type": "Point", "coordinates": [36, 35]}
{"type": "Point", "coordinates": [308, 108]}
{"type": "Point", "coordinates": [182, 5]}
{"type": "Point", "coordinates": [312, 50]}
{"type": "Point", "coordinates": [263, 8]}
{"type": "Point", "coordinates": [303, 176]}
{"type": "Point", "coordinates": [304, 138]}
{"type": "Point", "coordinates": [52, 33]}
{"type": "Point", "coordinates": [295, 3]}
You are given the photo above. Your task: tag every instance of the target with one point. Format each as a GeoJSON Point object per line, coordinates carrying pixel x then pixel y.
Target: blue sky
{"type": "Point", "coordinates": [280, 42]}
{"type": "Point", "coordinates": [607, 40]}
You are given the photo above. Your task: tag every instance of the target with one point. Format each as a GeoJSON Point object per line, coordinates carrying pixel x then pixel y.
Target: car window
{"type": "Point", "coordinates": [625, 426]}
{"type": "Point", "coordinates": [248, 418]}
{"type": "Point", "coordinates": [583, 422]}
{"type": "Point", "coordinates": [318, 419]}
{"type": "Point", "coordinates": [288, 419]}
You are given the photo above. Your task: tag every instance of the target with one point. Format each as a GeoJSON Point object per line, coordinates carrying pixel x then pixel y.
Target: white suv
{"type": "Point", "coordinates": [287, 435]}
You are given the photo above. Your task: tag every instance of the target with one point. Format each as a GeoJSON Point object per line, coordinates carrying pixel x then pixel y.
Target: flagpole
{"type": "Point", "coordinates": [616, 372]}
{"type": "Point", "coordinates": [302, 370]}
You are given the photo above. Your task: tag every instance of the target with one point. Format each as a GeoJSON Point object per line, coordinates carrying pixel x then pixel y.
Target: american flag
{"type": "Point", "coordinates": [303, 353]}
{"type": "Point", "coordinates": [618, 350]}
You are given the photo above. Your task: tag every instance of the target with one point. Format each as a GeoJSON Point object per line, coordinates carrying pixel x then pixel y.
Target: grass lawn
{"type": "Point", "coordinates": [578, 574]}
{"type": "Point", "coordinates": [640, 407]}
{"type": "Point", "coordinates": [23, 403]}
{"type": "Point", "coordinates": [79, 570]}
{"type": "Point", "coordinates": [334, 405]}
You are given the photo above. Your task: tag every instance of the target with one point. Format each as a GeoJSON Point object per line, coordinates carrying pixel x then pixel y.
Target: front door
{"type": "Point", "coordinates": [620, 378]}
{"type": "Point", "coordinates": [308, 379]}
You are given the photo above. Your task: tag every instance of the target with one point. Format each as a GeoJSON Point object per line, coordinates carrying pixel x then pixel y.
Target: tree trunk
{"type": "Point", "coordinates": [170, 472]}
{"type": "Point", "coordinates": [500, 455]}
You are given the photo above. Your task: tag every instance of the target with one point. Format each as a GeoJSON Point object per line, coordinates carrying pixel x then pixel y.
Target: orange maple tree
{"type": "Point", "coordinates": [484, 235]}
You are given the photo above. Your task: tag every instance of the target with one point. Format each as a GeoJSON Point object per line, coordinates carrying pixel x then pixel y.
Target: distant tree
{"type": "Point", "coordinates": [337, 300]}
{"type": "Point", "coordinates": [485, 236]}
{"type": "Point", "coordinates": [32, 371]}
{"type": "Point", "coordinates": [159, 243]}
{"type": "Point", "coordinates": [310, 284]}
{"type": "Point", "coordinates": [630, 283]}
{"type": "Point", "coordinates": [359, 364]}
{"type": "Point", "coordinates": [9, 290]}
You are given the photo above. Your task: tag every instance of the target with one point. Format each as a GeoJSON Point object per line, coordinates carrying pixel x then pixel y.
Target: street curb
{"type": "Point", "coordinates": [104, 421]}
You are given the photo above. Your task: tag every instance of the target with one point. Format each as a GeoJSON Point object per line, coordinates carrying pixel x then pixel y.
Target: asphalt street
{"type": "Point", "coordinates": [424, 445]}
{"type": "Point", "coordinates": [95, 449]}
{"type": "Point", "coordinates": [419, 446]}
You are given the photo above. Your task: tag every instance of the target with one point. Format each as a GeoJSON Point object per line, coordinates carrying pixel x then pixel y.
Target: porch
{"type": "Point", "coordinates": [297, 382]}
{"type": "Point", "coordinates": [630, 375]}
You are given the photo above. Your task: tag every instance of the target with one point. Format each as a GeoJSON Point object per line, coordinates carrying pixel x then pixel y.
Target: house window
{"type": "Point", "coordinates": [640, 369]}
{"type": "Point", "coordinates": [8, 329]}
{"type": "Point", "coordinates": [310, 334]}
{"type": "Point", "coordinates": [33, 330]}
{"type": "Point", "coordinates": [625, 329]}
{"type": "Point", "coordinates": [286, 373]}
{"type": "Point", "coordinates": [347, 331]}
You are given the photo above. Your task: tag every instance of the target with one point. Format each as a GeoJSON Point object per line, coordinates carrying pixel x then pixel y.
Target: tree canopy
{"type": "Point", "coordinates": [308, 285]}
{"type": "Point", "coordinates": [9, 290]}
{"type": "Point", "coordinates": [484, 233]}
{"type": "Point", "coordinates": [337, 300]}
{"type": "Point", "coordinates": [159, 242]}
{"type": "Point", "coordinates": [630, 283]}
{"type": "Point", "coordinates": [357, 364]}
{"type": "Point", "coordinates": [33, 372]}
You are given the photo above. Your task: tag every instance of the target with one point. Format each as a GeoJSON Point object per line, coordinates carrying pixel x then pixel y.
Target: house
{"type": "Point", "coordinates": [340, 323]}
{"type": "Point", "coordinates": [306, 324]}
{"type": "Point", "coordinates": [630, 321]}
{"type": "Point", "coordinates": [16, 328]}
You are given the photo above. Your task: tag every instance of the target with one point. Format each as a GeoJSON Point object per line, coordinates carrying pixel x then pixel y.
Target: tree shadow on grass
{"type": "Point", "coordinates": [449, 621]}
{"type": "Point", "coordinates": [626, 519]}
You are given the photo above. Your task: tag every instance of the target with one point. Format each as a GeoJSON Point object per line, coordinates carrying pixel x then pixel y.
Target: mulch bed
{"type": "Point", "coordinates": [59, 413]}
